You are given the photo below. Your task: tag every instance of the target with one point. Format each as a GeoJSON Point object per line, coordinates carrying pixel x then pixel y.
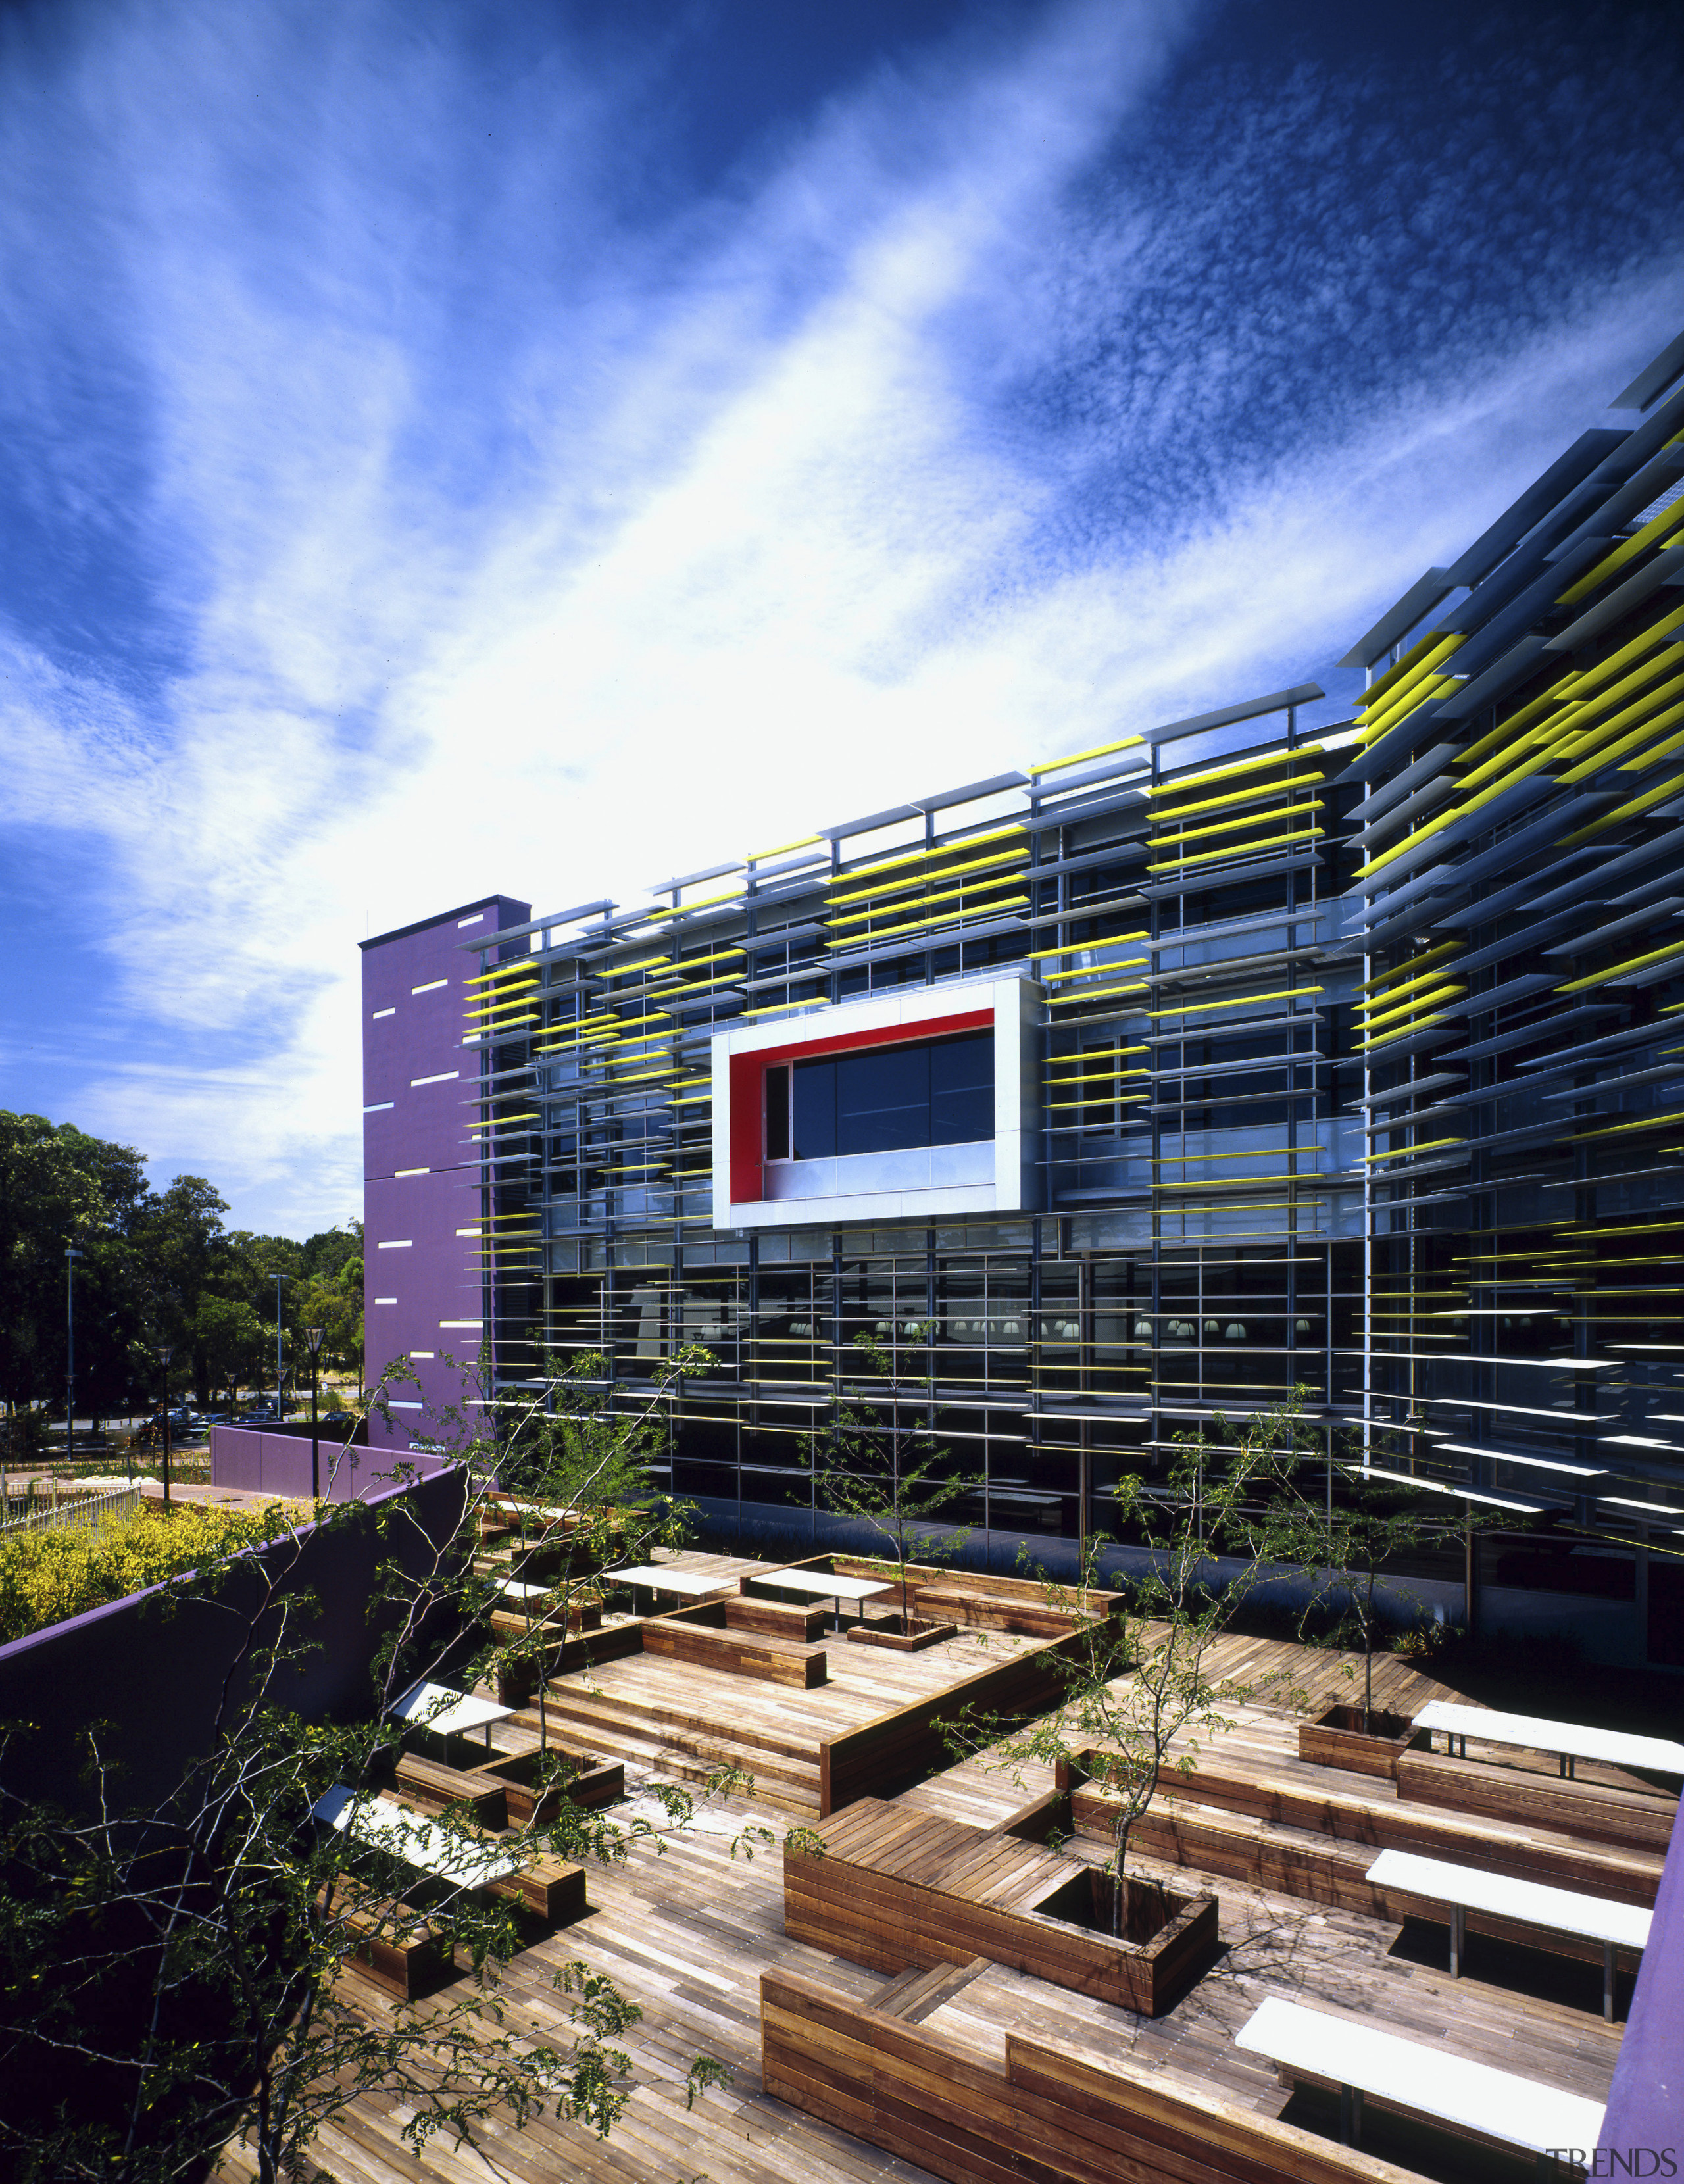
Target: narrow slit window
{"type": "Point", "coordinates": [777, 1112]}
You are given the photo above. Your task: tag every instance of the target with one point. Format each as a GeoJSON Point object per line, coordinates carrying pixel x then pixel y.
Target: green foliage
{"type": "Point", "coordinates": [48, 1576]}
{"type": "Point", "coordinates": [170, 1978]}
{"type": "Point", "coordinates": [1342, 1531]}
{"type": "Point", "coordinates": [1136, 1680]}
{"type": "Point", "coordinates": [873, 1467]}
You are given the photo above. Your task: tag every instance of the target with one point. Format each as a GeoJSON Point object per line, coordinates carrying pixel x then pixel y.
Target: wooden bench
{"type": "Point", "coordinates": [928, 2097]}
{"type": "Point", "coordinates": [1589, 1810]}
{"type": "Point", "coordinates": [736, 1652]}
{"type": "Point", "coordinates": [1474, 2100]}
{"type": "Point", "coordinates": [508, 1627]}
{"type": "Point", "coordinates": [1378, 1822]}
{"type": "Point", "coordinates": [547, 1888]}
{"type": "Point", "coordinates": [775, 1618]}
{"type": "Point", "coordinates": [427, 1786]}
{"type": "Point", "coordinates": [984, 1609]}
{"type": "Point", "coordinates": [1554, 1911]}
{"type": "Point", "coordinates": [1022, 1592]}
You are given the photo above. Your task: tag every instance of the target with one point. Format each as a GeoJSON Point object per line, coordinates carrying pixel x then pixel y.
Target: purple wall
{"type": "Point", "coordinates": [279, 1463]}
{"type": "Point", "coordinates": [156, 1673]}
{"type": "Point", "coordinates": [1645, 2101]}
{"type": "Point", "coordinates": [421, 1184]}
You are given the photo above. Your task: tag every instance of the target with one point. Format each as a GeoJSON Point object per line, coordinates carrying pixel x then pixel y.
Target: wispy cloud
{"type": "Point", "coordinates": [436, 497]}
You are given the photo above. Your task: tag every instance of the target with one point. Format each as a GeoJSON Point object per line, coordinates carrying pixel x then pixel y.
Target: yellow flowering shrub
{"type": "Point", "coordinates": [46, 1577]}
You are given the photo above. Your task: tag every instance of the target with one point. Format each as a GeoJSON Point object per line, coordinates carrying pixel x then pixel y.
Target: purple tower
{"type": "Point", "coordinates": [422, 1168]}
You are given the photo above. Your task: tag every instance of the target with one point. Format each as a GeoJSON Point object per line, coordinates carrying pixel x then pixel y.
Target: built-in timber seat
{"type": "Point", "coordinates": [979, 1609]}
{"type": "Point", "coordinates": [1206, 1819]}
{"type": "Point", "coordinates": [924, 2097]}
{"type": "Point", "coordinates": [425, 1786]}
{"type": "Point", "coordinates": [736, 1652]}
{"type": "Point", "coordinates": [775, 1618]}
{"type": "Point", "coordinates": [1639, 1819]}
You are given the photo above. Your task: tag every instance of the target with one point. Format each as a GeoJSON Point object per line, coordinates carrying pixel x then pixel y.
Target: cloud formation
{"type": "Point", "coordinates": [424, 489]}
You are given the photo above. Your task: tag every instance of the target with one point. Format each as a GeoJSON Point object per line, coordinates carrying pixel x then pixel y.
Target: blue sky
{"type": "Point", "coordinates": [449, 448]}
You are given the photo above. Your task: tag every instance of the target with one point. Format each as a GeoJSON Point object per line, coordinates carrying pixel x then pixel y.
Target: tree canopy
{"type": "Point", "coordinates": [157, 1269]}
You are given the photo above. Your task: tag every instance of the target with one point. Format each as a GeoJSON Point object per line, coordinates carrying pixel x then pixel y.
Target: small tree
{"type": "Point", "coordinates": [576, 1466]}
{"type": "Point", "coordinates": [870, 1464]}
{"type": "Point", "coordinates": [1343, 1537]}
{"type": "Point", "coordinates": [1137, 1679]}
{"type": "Point", "coordinates": [170, 1976]}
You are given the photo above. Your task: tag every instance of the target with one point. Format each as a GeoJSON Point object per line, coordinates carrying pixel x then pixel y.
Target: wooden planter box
{"type": "Point", "coordinates": [1338, 1739]}
{"type": "Point", "coordinates": [897, 1891]}
{"type": "Point", "coordinates": [921, 1632]}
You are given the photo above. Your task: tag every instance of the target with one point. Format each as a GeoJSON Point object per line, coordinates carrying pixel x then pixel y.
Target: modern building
{"type": "Point", "coordinates": [1255, 1051]}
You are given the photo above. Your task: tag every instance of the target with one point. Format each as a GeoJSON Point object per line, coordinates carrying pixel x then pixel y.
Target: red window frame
{"type": "Point", "coordinates": [748, 1083]}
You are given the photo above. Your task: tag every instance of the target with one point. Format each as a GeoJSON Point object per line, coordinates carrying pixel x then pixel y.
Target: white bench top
{"type": "Point", "coordinates": [666, 1577]}
{"type": "Point", "coordinates": [821, 1586]}
{"type": "Point", "coordinates": [515, 1589]}
{"type": "Point", "coordinates": [446, 1713]}
{"type": "Point", "coordinates": [1428, 2081]}
{"type": "Point", "coordinates": [1564, 1909]}
{"type": "Point", "coordinates": [418, 1842]}
{"type": "Point", "coordinates": [1577, 1741]}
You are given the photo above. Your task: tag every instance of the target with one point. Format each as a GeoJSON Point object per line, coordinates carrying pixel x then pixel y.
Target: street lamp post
{"type": "Point", "coordinates": [71, 1255]}
{"type": "Point", "coordinates": [313, 1336]}
{"type": "Point", "coordinates": [280, 1407]}
{"type": "Point", "coordinates": [164, 1357]}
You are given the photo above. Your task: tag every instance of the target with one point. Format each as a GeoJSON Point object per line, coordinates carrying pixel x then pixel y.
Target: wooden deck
{"type": "Point", "coordinates": [689, 1934]}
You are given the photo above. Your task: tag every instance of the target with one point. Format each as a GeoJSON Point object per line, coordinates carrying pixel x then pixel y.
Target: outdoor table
{"type": "Point", "coordinates": [1472, 2098]}
{"type": "Point", "coordinates": [444, 1713]}
{"type": "Point", "coordinates": [1467, 1888]}
{"type": "Point", "coordinates": [823, 1584]}
{"type": "Point", "coordinates": [419, 1842]}
{"type": "Point", "coordinates": [667, 1577]}
{"type": "Point", "coordinates": [1568, 1741]}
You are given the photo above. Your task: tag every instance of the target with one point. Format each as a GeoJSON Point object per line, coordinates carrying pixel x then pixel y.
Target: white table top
{"type": "Point", "coordinates": [446, 1713]}
{"type": "Point", "coordinates": [419, 1842]}
{"type": "Point", "coordinates": [503, 1502]}
{"type": "Point", "coordinates": [515, 1589]}
{"type": "Point", "coordinates": [1564, 1909]}
{"type": "Point", "coordinates": [1613, 1745]}
{"type": "Point", "coordinates": [666, 1577]}
{"type": "Point", "coordinates": [823, 1587]}
{"type": "Point", "coordinates": [1426, 2080]}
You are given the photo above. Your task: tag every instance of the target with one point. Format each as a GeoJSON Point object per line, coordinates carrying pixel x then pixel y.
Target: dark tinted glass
{"type": "Point", "coordinates": [962, 1089]}
{"type": "Point", "coordinates": [883, 1099]}
{"type": "Point", "coordinates": [777, 1112]}
{"type": "Point", "coordinates": [814, 1104]}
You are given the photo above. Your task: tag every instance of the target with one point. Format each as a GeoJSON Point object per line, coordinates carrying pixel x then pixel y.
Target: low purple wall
{"type": "Point", "coordinates": [1645, 2102]}
{"type": "Point", "coordinates": [154, 1670]}
{"type": "Point", "coordinates": [262, 1462]}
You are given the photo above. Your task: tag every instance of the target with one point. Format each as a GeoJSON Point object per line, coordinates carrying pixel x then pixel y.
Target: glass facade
{"type": "Point", "coordinates": [1360, 1053]}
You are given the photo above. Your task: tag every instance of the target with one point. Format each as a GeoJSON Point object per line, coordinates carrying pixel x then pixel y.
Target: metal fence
{"type": "Point", "coordinates": [33, 1511]}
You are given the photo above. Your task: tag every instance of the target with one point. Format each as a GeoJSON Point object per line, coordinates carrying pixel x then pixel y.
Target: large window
{"type": "Point", "coordinates": [882, 1100]}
